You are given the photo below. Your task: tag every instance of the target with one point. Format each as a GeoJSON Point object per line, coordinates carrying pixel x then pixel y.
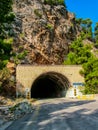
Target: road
{"type": "Point", "coordinates": [60, 114]}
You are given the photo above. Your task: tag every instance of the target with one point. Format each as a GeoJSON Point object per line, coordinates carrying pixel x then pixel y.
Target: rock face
{"type": "Point", "coordinates": [14, 112]}
{"type": "Point", "coordinates": [44, 31]}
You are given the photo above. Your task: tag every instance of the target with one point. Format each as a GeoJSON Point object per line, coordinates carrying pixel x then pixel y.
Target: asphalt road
{"type": "Point", "coordinates": [60, 114]}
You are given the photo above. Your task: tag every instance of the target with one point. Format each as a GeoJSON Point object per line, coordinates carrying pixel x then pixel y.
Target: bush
{"type": "Point", "coordinates": [6, 17]}
{"type": "Point", "coordinates": [54, 2]}
{"type": "Point", "coordinates": [37, 12]}
{"type": "Point", "coordinates": [90, 73]}
{"type": "Point", "coordinates": [79, 54]}
{"type": "Point", "coordinates": [5, 9]}
{"type": "Point", "coordinates": [49, 26]}
{"type": "Point", "coordinates": [7, 85]}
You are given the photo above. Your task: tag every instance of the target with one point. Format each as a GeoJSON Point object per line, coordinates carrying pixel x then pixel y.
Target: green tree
{"type": "Point", "coordinates": [87, 28]}
{"type": "Point", "coordinates": [54, 2]}
{"type": "Point", "coordinates": [79, 53]}
{"type": "Point", "coordinates": [96, 35]}
{"type": "Point", "coordinates": [90, 73]}
{"type": "Point", "coordinates": [78, 21]}
{"type": "Point", "coordinates": [5, 51]}
{"type": "Point", "coordinates": [86, 25]}
{"type": "Point", "coordinates": [5, 10]}
{"type": "Point", "coordinates": [6, 17]}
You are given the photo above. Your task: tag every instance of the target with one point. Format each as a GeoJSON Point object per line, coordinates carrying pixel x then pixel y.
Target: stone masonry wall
{"type": "Point", "coordinates": [26, 74]}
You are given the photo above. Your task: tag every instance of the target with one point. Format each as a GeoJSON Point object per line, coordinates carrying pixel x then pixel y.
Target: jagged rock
{"type": "Point", "coordinates": [16, 111]}
{"type": "Point", "coordinates": [43, 30]}
{"type": "Point", "coordinates": [11, 67]}
{"type": "Point", "coordinates": [21, 109]}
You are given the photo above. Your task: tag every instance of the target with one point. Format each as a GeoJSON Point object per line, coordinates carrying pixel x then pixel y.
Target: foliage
{"type": "Point", "coordinates": [22, 35]}
{"type": "Point", "coordinates": [49, 26]}
{"type": "Point", "coordinates": [79, 53]}
{"type": "Point", "coordinates": [6, 17]}
{"type": "Point", "coordinates": [7, 83]}
{"type": "Point", "coordinates": [86, 25]}
{"type": "Point", "coordinates": [5, 51]}
{"type": "Point", "coordinates": [3, 74]}
{"type": "Point", "coordinates": [90, 73]}
{"type": "Point", "coordinates": [54, 2]}
{"type": "Point", "coordinates": [5, 10]}
{"type": "Point", "coordinates": [96, 35]}
{"type": "Point", "coordinates": [37, 12]}
{"type": "Point", "coordinates": [20, 56]}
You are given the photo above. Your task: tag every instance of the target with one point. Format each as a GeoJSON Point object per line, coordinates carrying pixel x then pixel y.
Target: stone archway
{"type": "Point", "coordinates": [50, 85]}
{"type": "Point", "coordinates": [60, 77]}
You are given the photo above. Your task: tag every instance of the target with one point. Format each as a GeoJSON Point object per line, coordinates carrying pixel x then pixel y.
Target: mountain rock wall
{"type": "Point", "coordinates": [44, 31]}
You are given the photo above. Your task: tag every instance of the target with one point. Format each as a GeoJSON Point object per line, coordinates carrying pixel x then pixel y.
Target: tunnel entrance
{"type": "Point", "coordinates": [50, 85]}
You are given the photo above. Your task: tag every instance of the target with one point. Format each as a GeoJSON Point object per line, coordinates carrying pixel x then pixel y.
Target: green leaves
{"type": "Point", "coordinates": [86, 25]}
{"type": "Point", "coordinates": [5, 9]}
{"type": "Point", "coordinates": [90, 72]}
{"type": "Point", "coordinates": [54, 2]}
{"type": "Point", "coordinates": [96, 35]}
{"type": "Point", "coordinates": [6, 17]}
{"type": "Point", "coordinates": [5, 49]}
{"type": "Point", "coordinates": [80, 53]}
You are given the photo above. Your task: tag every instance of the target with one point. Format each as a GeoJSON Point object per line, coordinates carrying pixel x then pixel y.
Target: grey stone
{"type": "Point", "coordinates": [46, 27]}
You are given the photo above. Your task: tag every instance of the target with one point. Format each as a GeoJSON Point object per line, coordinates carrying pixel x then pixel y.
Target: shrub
{"type": "Point", "coordinates": [49, 26]}
{"type": "Point", "coordinates": [54, 2]}
{"type": "Point", "coordinates": [37, 12]}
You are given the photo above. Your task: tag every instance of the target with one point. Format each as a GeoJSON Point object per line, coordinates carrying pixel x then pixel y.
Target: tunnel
{"type": "Point", "coordinates": [50, 85]}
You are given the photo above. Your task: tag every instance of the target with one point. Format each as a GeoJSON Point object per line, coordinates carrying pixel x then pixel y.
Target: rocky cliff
{"type": "Point", "coordinates": [42, 30]}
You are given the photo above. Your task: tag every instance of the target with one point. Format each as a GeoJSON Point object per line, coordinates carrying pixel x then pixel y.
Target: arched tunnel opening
{"type": "Point", "coordinates": [50, 85]}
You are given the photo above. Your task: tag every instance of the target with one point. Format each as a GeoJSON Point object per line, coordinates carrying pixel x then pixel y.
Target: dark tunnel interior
{"type": "Point", "coordinates": [49, 85]}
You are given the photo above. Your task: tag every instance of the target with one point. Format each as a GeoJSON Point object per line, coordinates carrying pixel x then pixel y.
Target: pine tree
{"type": "Point", "coordinates": [79, 53]}
{"type": "Point", "coordinates": [86, 25]}
{"type": "Point", "coordinates": [6, 17]}
{"type": "Point", "coordinates": [90, 73]}
{"type": "Point", "coordinates": [96, 35]}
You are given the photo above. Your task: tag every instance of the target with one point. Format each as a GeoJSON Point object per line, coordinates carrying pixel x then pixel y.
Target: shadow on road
{"type": "Point", "coordinates": [61, 114]}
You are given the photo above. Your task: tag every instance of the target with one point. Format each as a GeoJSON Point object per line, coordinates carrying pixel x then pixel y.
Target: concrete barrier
{"type": "Point", "coordinates": [86, 97]}
{"type": "Point", "coordinates": [96, 96]}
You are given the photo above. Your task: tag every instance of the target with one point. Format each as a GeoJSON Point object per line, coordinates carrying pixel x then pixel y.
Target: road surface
{"type": "Point", "coordinates": [60, 114]}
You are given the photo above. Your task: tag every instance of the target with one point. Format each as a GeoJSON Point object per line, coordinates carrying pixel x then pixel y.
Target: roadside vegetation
{"type": "Point", "coordinates": [54, 2]}
{"type": "Point", "coordinates": [81, 53]}
{"type": "Point", "coordinates": [6, 18]}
